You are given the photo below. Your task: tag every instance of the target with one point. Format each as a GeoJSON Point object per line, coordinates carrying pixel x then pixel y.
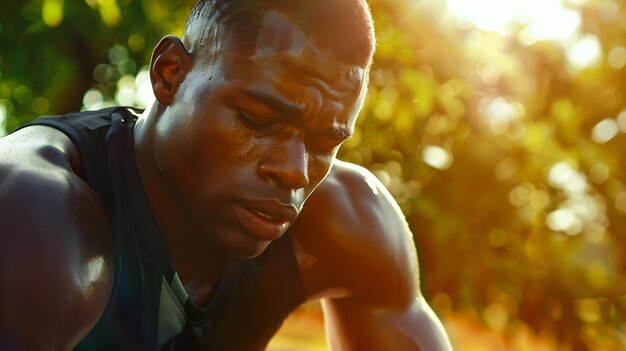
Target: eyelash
{"type": "Point", "coordinates": [252, 123]}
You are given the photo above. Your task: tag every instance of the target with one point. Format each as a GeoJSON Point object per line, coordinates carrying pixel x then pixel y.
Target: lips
{"type": "Point", "coordinates": [265, 219]}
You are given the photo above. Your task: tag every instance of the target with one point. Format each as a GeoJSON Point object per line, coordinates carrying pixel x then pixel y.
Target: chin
{"type": "Point", "coordinates": [247, 249]}
{"type": "Point", "coordinates": [251, 252]}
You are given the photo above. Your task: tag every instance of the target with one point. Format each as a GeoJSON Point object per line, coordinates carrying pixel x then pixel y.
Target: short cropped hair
{"type": "Point", "coordinates": [343, 26]}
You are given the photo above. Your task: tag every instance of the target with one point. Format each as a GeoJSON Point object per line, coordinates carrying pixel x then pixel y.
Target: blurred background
{"type": "Point", "coordinates": [498, 125]}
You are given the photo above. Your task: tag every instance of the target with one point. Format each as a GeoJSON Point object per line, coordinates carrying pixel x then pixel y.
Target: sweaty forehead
{"type": "Point", "coordinates": [280, 39]}
{"type": "Point", "coordinates": [278, 33]}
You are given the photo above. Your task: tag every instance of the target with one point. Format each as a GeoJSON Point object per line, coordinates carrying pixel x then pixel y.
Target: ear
{"type": "Point", "coordinates": [168, 68]}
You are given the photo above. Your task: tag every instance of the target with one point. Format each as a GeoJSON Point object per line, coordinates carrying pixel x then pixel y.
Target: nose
{"type": "Point", "coordinates": [287, 166]}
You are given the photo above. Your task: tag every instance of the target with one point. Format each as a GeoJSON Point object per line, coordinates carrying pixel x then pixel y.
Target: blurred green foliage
{"type": "Point", "coordinates": [507, 161]}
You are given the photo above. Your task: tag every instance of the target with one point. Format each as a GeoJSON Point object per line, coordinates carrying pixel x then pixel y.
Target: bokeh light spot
{"type": "Point", "coordinates": [545, 19]}
{"type": "Point", "coordinates": [588, 310]}
{"type": "Point", "coordinates": [117, 53]}
{"type": "Point", "coordinates": [52, 12]}
{"type": "Point", "coordinates": [125, 94]}
{"type": "Point", "coordinates": [498, 237]}
{"type": "Point", "coordinates": [92, 100]}
{"type": "Point", "coordinates": [102, 72]}
{"type": "Point", "coordinates": [621, 121]}
{"type": "Point", "coordinates": [503, 117]}
{"type": "Point", "coordinates": [496, 316]}
{"type": "Point", "coordinates": [127, 66]}
{"type": "Point", "coordinates": [383, 110]}
{"type": "Point", "coordinates": [557, 23]}
{"type": "Point", "coordinates": [436, 157]}
{"type": "Point", "coordinates": [505, 169]}
{"type": "Point", "coordinates": [599, 173]}
{"type": "Point", "coordinates": [564, 220]}
{"type": "Point", "coordinates": [489, 74]}
{"type": "Point", "coordinates": [539, 200]}
{"type": "Point", "coordinates": [620, 201]}
{"type": "Point", "coordinates": [520, 195]}
{"type": "Point", "coordinates": [608, 10]}
{"type": "Point", "coordinates": [604, 131]}
{"type": "Point", "coordinates": [587, 52]}
{"type": "Point", "coordinates": [92, 3]}
{"type": "Point", "coordinates": [40, 105]}
{"type": "Point", "coordinates": [136, 42]}
{"type": "Point", "coordinates": [109, 12]}
{"type": "Point", "coordinates": [145, 96]}
{"type": "Point", "coordinates": [22, 94]}
{"type": "Point", "coordinates": [617, 57]}
{"type": "Point", "coordinates": [383, 176]}
{"type": "Point", "coordinates": [516, 130]}
{"type": "Point", "coordinates": [563, 176]}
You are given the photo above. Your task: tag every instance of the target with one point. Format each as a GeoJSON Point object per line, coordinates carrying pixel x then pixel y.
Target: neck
{"type": "Point", "coordinates": [198, 262]}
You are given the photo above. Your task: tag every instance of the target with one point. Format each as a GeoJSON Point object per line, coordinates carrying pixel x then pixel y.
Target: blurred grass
{"type": "Point", "coordinates": [304, 331]}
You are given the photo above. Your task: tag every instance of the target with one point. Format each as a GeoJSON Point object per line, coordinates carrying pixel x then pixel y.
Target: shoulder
{"type": "Point", "coordinates": [55, 248]}
{"type": "Point", "coordinates": [353, 241]}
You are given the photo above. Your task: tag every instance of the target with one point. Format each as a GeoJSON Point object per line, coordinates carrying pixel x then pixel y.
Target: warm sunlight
{"type": "Point", "coordinates": [536, 20]}
{"type": "Point", "coordinates": [543, 19]}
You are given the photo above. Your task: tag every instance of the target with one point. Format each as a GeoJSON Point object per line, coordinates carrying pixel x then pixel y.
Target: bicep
{"type": "Point", "coordinates": [352, 325]}
{"type": "Point", "coordinates": [54, 270]}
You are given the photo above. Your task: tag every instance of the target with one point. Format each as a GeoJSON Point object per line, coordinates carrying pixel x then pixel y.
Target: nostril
{"type": "Point", "coordinates": [285, 177]}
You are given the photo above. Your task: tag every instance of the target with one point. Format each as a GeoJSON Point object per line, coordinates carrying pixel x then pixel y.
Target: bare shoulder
{"type": "Point", "coordinates": [352, 240]}
{"type": "Point", "coordinates": [55, 249]}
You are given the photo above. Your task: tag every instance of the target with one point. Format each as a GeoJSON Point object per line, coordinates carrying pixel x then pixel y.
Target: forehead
{"type": "Point", "coordinates": [286, 61]}
{"type": "Point", "coordinates": [279, 37]}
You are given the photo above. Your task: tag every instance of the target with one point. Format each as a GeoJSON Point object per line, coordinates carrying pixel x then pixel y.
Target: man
{"type": "Point", "coordinates": [177, 230]}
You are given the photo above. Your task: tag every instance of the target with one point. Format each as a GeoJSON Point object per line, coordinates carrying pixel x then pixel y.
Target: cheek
{"type": "Point", "coordinates": [250, 148]}
{"type": "Point", "coordinates": [319, 166]}
{"type": "Point", "coordinates": [228, 140]}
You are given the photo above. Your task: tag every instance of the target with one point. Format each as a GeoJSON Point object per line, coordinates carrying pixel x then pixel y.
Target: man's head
{"type": "Point", "coordinates": [343, 26]}
{"type": "Point", "coordinates": [252, 106]}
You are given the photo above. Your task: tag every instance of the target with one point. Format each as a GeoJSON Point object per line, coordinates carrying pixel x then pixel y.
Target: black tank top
{"type": "Point", "coordinates": [149, 308]}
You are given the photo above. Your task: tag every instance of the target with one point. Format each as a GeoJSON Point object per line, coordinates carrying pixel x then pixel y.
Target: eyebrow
{"type": "Point", "coordinates": [338, 132]}
{"type": "Point", "coordinates": [341, 133]}
{"type": "Point", "coordinates": [276, 103]}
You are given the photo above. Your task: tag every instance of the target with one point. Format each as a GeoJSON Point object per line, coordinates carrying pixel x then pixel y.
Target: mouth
{"type": "Point", "coordinates": [265, 220]}
{"type": "Point", "coordinates": [266, 216]}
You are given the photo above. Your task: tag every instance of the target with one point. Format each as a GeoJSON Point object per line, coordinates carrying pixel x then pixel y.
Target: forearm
{"type": "Point", "coordinates": [424, 325]}
{"type": "Point", "coordinates": [352, 326]}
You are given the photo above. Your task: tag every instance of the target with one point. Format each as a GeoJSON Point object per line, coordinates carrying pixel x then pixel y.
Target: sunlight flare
{"type": "Point", "coordinates": [542, 19]}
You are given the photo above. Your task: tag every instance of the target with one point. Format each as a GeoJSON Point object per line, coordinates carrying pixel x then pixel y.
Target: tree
{"type": "Point", "coordinates": [506, 158]}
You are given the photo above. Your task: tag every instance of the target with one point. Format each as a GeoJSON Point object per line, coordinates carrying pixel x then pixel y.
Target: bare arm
{"type": "Point", "coordinates": [362, 261]}
{"type": "Point", "coordinates": [54, 249]}
{"type": "Point", "coordinates": [356, 326]}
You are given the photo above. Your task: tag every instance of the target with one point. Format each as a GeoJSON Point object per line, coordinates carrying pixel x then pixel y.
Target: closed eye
{"type": "Point", "coordinates": [252, 122]}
